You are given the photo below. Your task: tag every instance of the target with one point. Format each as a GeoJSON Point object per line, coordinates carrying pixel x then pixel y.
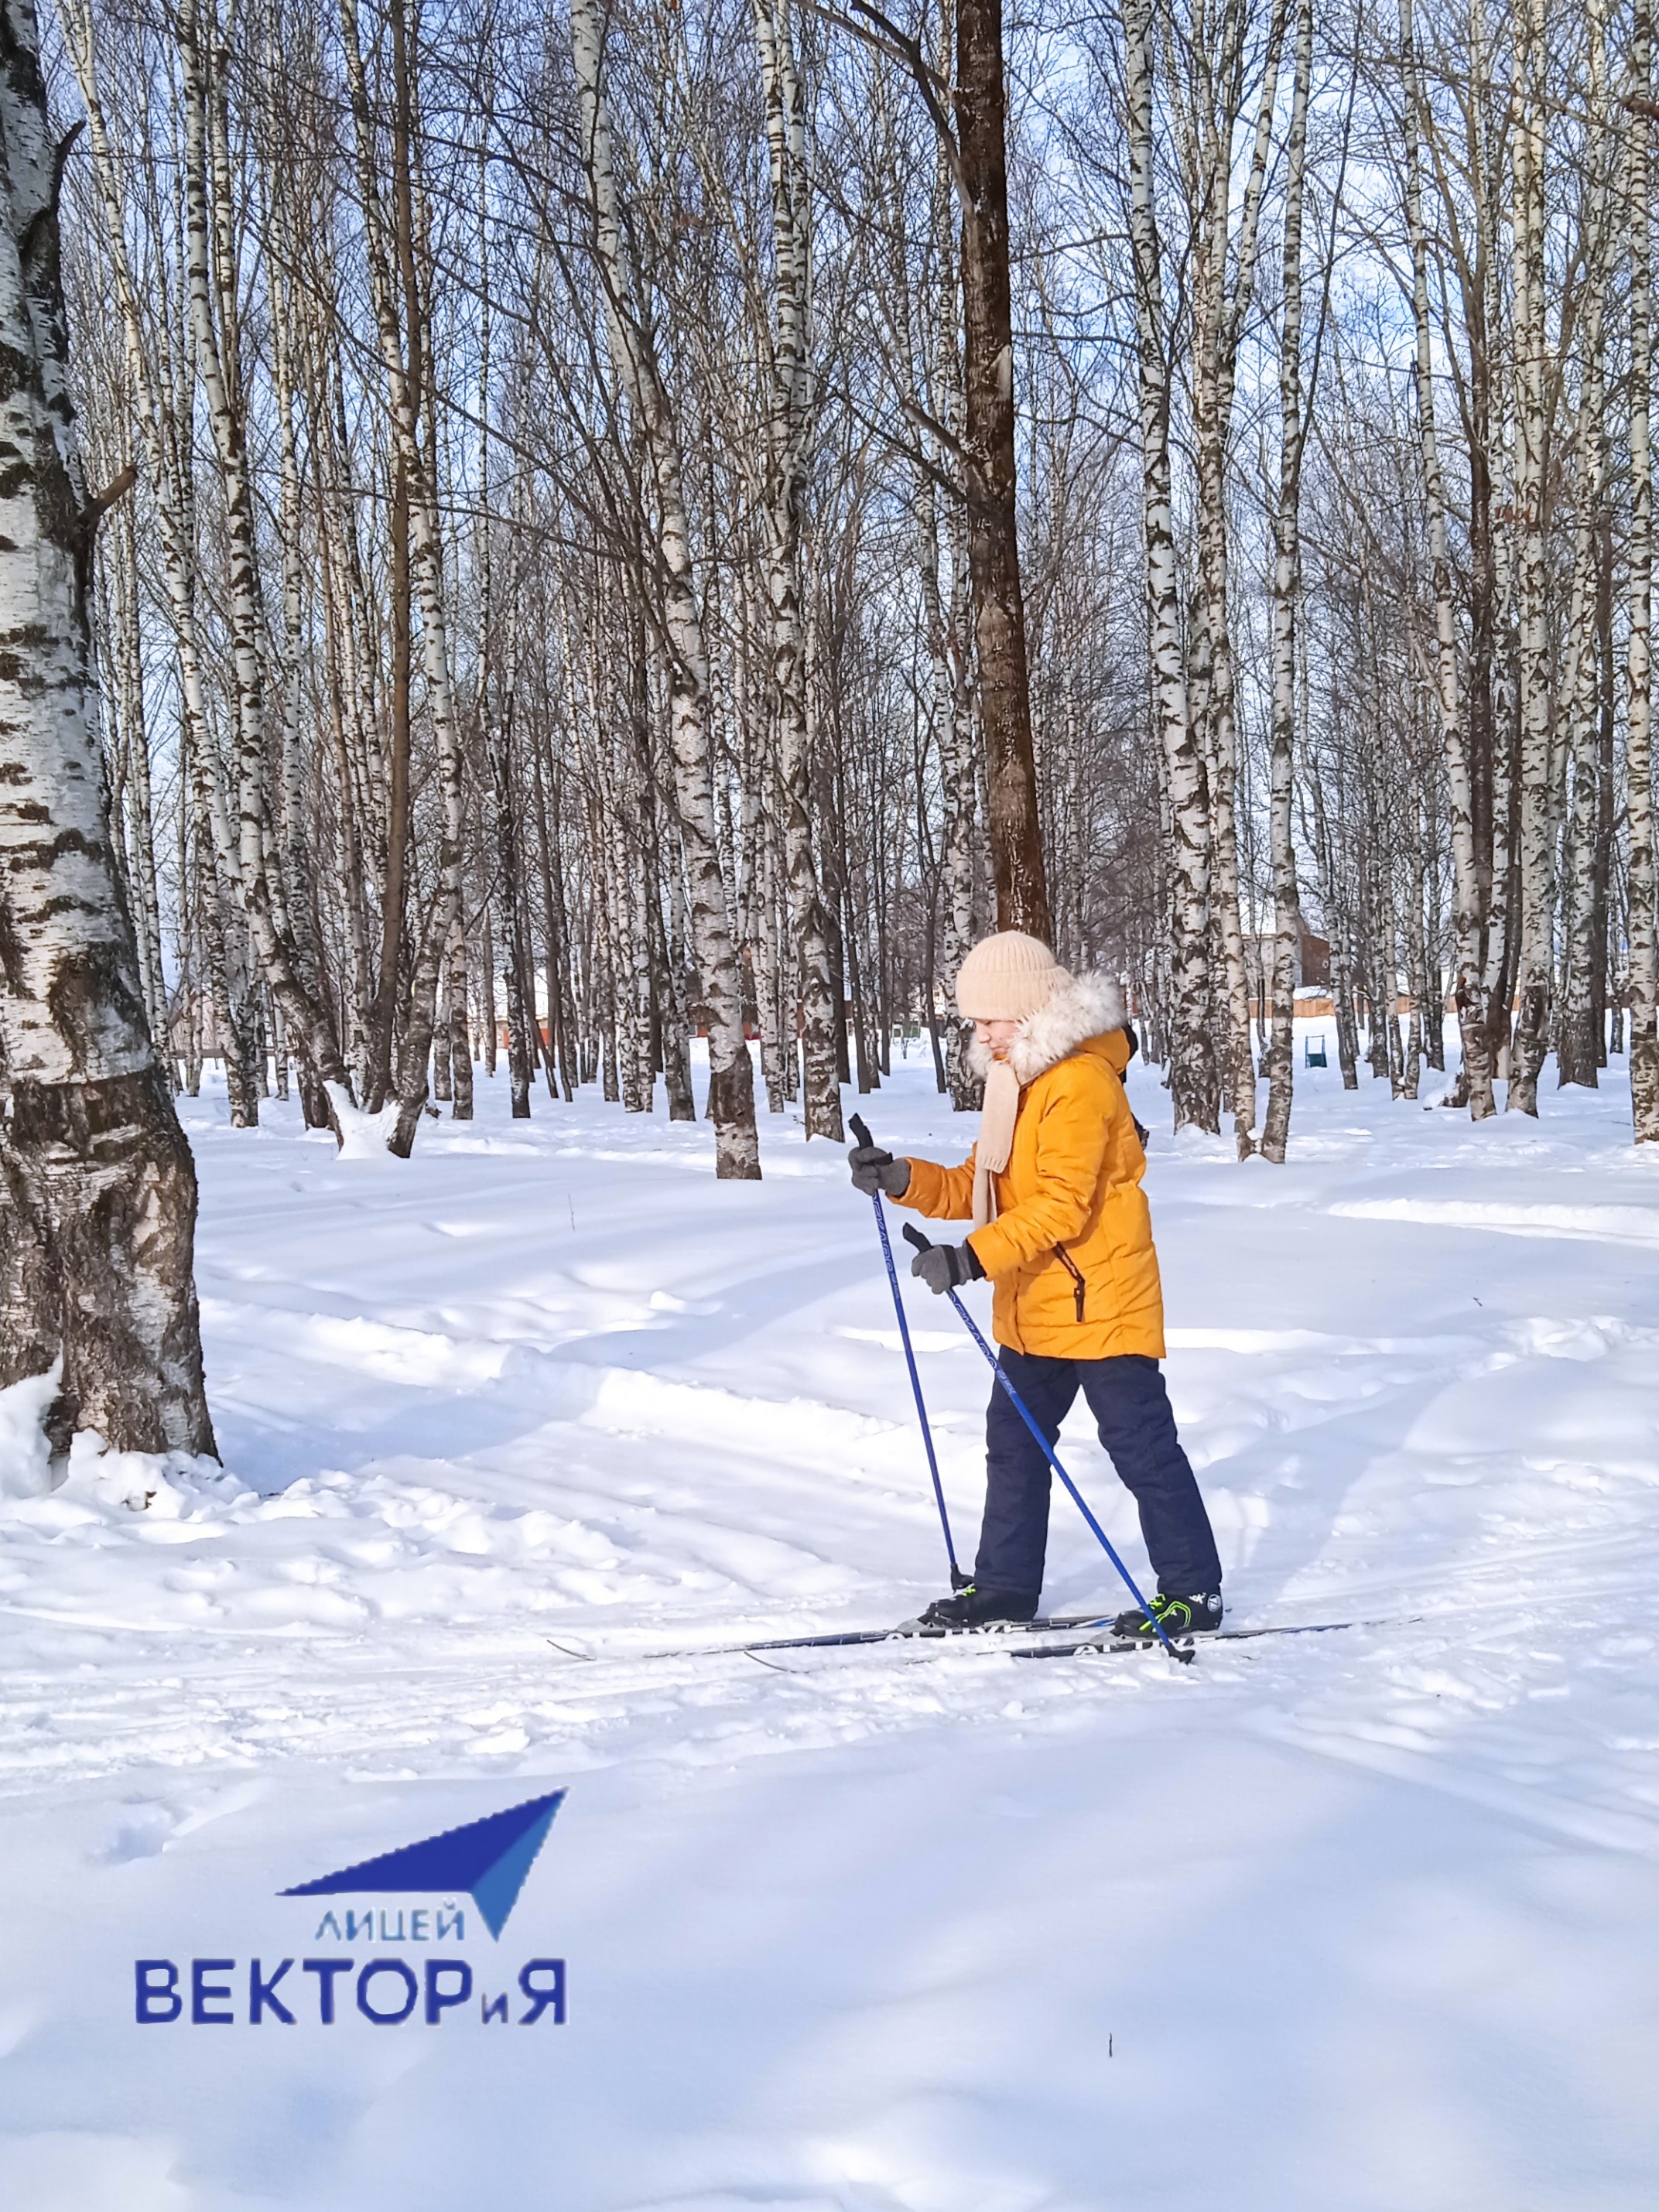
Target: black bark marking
{"type": "Point", "coordinates": [11, 953]}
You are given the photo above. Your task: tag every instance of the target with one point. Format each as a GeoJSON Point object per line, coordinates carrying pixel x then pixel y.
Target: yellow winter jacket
{"type": "Point", "coordinates": [1070, 1252]}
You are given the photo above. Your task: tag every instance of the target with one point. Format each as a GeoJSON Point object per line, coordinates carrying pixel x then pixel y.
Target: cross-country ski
{"type": "Point", "coordinates": [1014, 1638]}
{"type": "Point", "coordinates": [903, 1632]}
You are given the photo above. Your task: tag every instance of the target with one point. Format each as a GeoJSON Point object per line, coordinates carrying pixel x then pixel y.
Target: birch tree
{"type": "Point", "coordinates": [1472, 1013]}
{"type": "Point", "coordinates": [395, 285]}
{"type": "Point", "coordinates": [1579, 1045]}
{"type": "Point", "coordinates": [1644, 946]}
{"type": "Point", "coordinates": [1286, 595]}
{"type": "Point", "coordinates": [791, 411]}
{"type": "Point", "coordinates": [1224, 281]}
{"type": "Point", "coordinates": [638, 369]}
{"type": "Point", "coordinates": [1531, 428]}
{"type": "Point", "coordinates": [97, 1187]}
{"type": "Point", "coordinates": [1192, 1079]}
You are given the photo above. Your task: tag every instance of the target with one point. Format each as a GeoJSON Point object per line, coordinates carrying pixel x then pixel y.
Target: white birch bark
{"type": "Point", "coordinates": [97, 1188]}
{"type": "Point", "coordinates": [961, 765]}
{"type": "Point", "coordinates": [1193, 1084]}
{"type": "Point", "coordinates": [1503, 913]}
{"type": "Point", "coordinates": [790, 412]}
{"type": "Point", "coordinates": [127, 643]}
{"type": "Point", "coordinates": [1471, 1010]}
{"type": "Point", "coordinates": [1286, 606]}
{"type": "Point", "coordinates": [1220, 315]}
{"type": "Point", "coordinates": [1643, 938]}
{"type": "Point", "coordinates": [427, 550]}
{"type": "Point", "coordinates": [1578, 1044]}
{"type": "Point", "coordinates": [213, 291]}
{"type": "Point", "coordinates": [948, 614]}
{"type": "Point", "coordinates": [298, 888]}
{"type": "Point", "coordinates": [942, 572]}
{"type": "Point", "coordinates": [1412, 953]}
{"type": "Point", "coordinates": [731, 1095]}
{"type": "Point", "coordinates": [1532, 423]}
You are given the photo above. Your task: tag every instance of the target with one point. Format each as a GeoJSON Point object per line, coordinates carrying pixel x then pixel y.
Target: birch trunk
{"type": "Point", "coordinates": [400, 353]}
{"type": "Point", "coordinates": [1488, 781]}
{"type": "Point", "coordinates": [1337, 922]}
{"type": "Point", "coordinates": [1414, 965]}
{"type": "Point", "coordinates": [349, 840]}
{"type": "Point", "coordinates": [299, 886]}
{"type": "Point", "coordinates": [97, 1187]}
{"type": "Point", "coordinates": [137, 790]}
{"type": "Point", "coordinates": [1207, 131]}
{"type": "Point", "coordinates": [1578, 1041]}
{"type": "Point", "coordinates": [788, 435]}
{"type": "Point", "coordinates": [759, 932]}
{"type": "Point", "coordinates": [1643, 943]}
{"type": "Point", "coordinates": [1286, 601]}
{"type": "Point", "coordinates": [1472, 1017]}
{"type": "Point", "coordinates": [953, 732]}
{"type": "Point", "coordinates": [1193, 1084]}
{"type": "Point", "coordinates": [946, 613]}
{"type": "Point", "coordinates": [1607, 717]}
{"type": "Point", "coordinates": [556, 932]}
{"type": "Point", "coordinates": [1503, 934]}
{"type": "Point", "coordinates": [1531, 428]}
{"type": "Point", "coordinates": [213, 293]}
{"type": "Point", "coordinates": [731, 1083]}
{"type": "Point", "coordinates": [509, 895]}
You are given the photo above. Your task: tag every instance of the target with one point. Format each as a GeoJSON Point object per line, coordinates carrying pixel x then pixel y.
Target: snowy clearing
{"type": "Point", "coordinates": [1355, 1921]}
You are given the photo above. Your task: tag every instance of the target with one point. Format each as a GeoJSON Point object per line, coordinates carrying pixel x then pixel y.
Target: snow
{"type": "Point", "coordinates": [1344, 1921]}
{"type": "Point", "coordinates": [25, 1454]}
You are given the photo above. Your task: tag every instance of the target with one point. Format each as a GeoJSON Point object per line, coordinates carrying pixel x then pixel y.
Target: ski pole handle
{"type": "Point", "coordinates": [860, 1129]}
{"type": "Point", "coordinates": [914, 1236]}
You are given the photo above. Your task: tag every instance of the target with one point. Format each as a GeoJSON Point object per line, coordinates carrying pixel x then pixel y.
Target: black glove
{"type": "Point", "coordinates": [874, 1170]}
{"type": "Point", "coordinates": [946, 1268]}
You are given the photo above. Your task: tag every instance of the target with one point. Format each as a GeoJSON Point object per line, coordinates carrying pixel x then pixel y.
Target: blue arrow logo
{"type": "Point", "coordinates": [488, 1860]}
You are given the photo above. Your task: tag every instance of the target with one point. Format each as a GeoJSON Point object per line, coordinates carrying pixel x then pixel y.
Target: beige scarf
{"type": "Point", "coordinates": [996, 1137]}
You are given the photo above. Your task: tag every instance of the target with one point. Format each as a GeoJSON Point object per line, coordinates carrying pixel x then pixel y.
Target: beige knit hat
{"type": "Point", "coordinates": [1006, 977]}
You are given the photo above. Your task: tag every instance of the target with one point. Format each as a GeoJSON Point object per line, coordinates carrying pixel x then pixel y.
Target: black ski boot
{"type": "Point", "coordinates": [1178, 1617]}
{"type": "Point", "coordinates": [973, 1607]}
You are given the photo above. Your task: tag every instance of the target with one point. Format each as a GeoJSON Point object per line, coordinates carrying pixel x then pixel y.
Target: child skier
{"type": "Point", "coordinates": [1062, 1228]}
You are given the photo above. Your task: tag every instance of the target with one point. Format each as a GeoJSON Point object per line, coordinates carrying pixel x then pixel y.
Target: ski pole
{"type": "Point", "coordinates": [958, 1580]}
{"type": "Point", "coordinates": [914, 1236]}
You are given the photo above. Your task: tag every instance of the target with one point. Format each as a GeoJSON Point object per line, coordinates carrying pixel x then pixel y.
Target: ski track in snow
{"type": "Point", "coordinates": [1363, 1919]}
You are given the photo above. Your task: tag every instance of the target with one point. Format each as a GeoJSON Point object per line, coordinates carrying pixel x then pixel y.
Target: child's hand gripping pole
{"type": "Point", "coordinates": [958, 1580]}
{"type": "Point", "coordinates": [914, 1236]}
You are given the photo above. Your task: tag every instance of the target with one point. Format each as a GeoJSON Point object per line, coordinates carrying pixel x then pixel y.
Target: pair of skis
{"type": "Point", "coordinates": [1078, 1633]}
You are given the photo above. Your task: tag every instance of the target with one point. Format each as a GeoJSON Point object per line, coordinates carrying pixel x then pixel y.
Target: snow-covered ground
{"type": "Point", "coordinates": [1350, 1923]}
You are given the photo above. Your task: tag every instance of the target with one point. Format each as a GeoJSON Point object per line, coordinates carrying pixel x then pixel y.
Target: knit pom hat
{"type": "Point", "coordinates": [1006, 977]}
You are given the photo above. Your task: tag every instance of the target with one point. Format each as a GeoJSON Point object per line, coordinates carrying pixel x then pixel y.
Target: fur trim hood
{"type": "Point", "coordinates": [1083, 1006]}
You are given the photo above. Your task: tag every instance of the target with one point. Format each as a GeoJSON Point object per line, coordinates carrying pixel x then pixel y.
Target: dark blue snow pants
{"type": "Point", "coordinates": [1129, 1400]}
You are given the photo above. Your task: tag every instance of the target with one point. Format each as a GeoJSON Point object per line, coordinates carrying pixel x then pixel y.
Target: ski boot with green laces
{"type": "Point", "coordinates": [1198, 1615]}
